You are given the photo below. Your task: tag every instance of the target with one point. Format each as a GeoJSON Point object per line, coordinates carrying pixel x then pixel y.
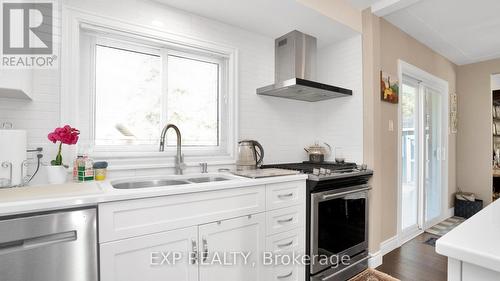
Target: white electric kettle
{"type": "Point", "coordinates": [250, 155]}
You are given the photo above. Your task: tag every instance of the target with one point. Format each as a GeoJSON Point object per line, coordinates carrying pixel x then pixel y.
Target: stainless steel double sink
{"type": "Point", "coordinates": [167, 181]}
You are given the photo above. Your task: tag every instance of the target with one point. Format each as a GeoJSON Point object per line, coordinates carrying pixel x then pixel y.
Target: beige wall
{"type": "Point", "coordinates": [474, 142]}
{"type": "Point", "coordinates": [340, 10]}
{"type": "Point", "coordinates": [394, 45]}
{"type": "Point", "coordinates": [372, 154]}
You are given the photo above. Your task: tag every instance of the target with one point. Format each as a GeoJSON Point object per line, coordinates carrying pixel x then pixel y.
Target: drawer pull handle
{"type": "Point", "coordinates": [285, 245]}
{"type": "Point", "coordinates": [37, 242]}
{"type": "Point", "coordinates": [204, 254]}
{"type": "Point", "coordinates": [194, 253]}
{"type": "Point", "coordinates": [285, 221]}
{"type": "Point", "coordinates": [281, 196]}
{"type": "Point", "coordinates": [285, 276]}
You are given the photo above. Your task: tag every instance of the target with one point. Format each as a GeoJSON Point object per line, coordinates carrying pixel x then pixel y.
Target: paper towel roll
{"type": "Point", "coordinates": [12, 149]}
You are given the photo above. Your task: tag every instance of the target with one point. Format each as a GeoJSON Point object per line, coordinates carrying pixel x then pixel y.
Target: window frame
{"type": "Point", "coordinates": [91, 68]}
{"type": "Point", "coordinates": [163, 52]}
{"type": "Point", "coordinates": [75, 22]}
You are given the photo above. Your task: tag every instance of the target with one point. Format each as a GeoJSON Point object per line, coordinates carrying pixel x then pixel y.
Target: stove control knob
{"type": "Point", "coordinates": [316, 172]}
{"type": "Point", "coordinates": [328, 171]}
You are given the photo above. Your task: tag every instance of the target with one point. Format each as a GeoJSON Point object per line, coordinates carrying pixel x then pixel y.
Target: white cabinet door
{"type": "Point", "coordinates": [222, 245]}
{"type": "Point", "coordinates": [150, 257]}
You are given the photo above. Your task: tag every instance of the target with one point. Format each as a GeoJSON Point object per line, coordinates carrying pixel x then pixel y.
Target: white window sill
{"type": "Point", "coordinates": [156, 160]}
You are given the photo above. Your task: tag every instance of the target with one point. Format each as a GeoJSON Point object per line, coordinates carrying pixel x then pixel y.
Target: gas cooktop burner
{"type": "Point", "coordinates": [324, 170]}
{"type": "Point", "coordinates": [308, 167]}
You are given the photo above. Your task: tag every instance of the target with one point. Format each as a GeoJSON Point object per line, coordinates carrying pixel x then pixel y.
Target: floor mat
{"type": "Point", "coordinates": [445, 226]}
{"type": "Point", "coordinates": [373, 275]}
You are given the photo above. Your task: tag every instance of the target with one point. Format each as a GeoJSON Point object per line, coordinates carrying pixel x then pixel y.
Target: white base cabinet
{"type": "Point", "coordinates": [210, 236]}
{"type": "Point", "coordinates": [463, 271]}
{"type": "Point", "coordinates": [150, 257]}
{"type": "Point", "coordinates": [232, 249]}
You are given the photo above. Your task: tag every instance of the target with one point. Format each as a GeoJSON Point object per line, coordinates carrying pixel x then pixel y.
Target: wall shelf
{"type": "Point", "coordinates": [16, 84]}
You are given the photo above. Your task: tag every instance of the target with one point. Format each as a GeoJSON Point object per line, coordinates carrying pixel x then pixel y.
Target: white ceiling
{"type": "Point", "coordinates": [464, 31]}
{"type": "Point", "coordinates": [362, 4]}
{"type": "Point", "coordinates": [270, 18]}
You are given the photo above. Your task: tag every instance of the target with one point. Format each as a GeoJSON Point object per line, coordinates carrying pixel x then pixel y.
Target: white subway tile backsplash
{"type": "Point", "coordinates": [340, 121]}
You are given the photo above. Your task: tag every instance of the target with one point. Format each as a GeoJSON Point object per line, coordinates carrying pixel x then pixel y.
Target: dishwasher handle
{"type": "Point", "coordinates": [35, 242]}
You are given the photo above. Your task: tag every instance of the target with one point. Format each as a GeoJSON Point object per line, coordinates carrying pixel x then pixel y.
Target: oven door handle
{"type": "Point", "coordinates": [336, 195]}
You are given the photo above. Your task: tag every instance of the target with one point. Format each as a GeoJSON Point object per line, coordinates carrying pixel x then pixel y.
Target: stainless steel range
{"type": "Point", "coordinates": [337, 218]}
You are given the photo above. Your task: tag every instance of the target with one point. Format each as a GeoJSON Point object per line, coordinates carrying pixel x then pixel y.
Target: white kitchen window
{"type": "Point", "coordinates": [128, 96]}
{"type": "Point", "coordinates": [131, 88]}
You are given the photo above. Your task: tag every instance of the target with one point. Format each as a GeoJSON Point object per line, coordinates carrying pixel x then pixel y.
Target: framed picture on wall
{"type": "Point", "coordinates": [389, 88]}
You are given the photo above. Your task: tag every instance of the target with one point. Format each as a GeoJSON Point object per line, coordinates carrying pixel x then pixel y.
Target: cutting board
{"type": "Point", "coordinates": [264, 173]}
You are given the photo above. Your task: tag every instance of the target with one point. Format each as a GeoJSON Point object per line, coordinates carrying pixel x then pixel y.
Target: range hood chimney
{"type": "Point", "coordinates": [295, 71]}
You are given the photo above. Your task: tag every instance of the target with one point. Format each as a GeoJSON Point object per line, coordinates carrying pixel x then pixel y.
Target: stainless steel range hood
{"type": "Point", "coordinates": [295, 70]}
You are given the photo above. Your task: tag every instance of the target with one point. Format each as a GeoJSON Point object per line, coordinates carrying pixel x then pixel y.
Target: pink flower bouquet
{"type": "Point", "coordinates": [64, 135]}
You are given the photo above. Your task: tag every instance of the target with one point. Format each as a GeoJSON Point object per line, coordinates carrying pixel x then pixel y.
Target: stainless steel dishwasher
{"type": "Point", "coordinates": [59, 246]}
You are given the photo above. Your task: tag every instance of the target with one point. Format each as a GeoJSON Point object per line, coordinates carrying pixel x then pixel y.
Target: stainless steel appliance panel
{"type": "Point", "coordinates": [295, 71]}
{"type": "Point", "coordinates": [341, 272]}
{"type": "Point", "coordinates": [50, 247]}
{"type": "Point", "coordinates": [339, 223]}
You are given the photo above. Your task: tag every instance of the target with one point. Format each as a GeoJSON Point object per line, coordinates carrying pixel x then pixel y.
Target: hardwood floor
{"type": "Point", "coordinates": [415, 261]}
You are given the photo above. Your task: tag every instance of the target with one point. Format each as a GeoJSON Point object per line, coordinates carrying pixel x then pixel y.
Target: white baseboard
{"type": "Point", "coordinates": [394, 243]}
{"type": "Point", "coordinates": [389, 245]}
{"type": "Point", "coordinates": [375, 259]}
{"type": "Point", "coordinates": [451, 212]}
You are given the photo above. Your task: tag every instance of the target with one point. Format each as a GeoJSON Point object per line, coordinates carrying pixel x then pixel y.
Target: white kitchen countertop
{"type": "Point", "coordinates": [476, 240]}
{"type": "Point", "coordinates": [30, 199]}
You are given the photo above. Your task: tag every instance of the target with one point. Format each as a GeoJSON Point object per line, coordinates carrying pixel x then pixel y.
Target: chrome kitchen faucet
{"type": "Point", "coordinates": [179, 159]}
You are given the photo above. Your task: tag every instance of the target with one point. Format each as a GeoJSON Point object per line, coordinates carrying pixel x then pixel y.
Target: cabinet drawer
{"type": "Point", "coordinates": [286, 273]}
{"type": "Point", "coordinates": [282, 220]}
{"type": "Point", "coordinates": [285, 194]}
{"type": "Point", "coordinates": [124, 219]}
{"type": "Point", "coordinates": [290, 241]}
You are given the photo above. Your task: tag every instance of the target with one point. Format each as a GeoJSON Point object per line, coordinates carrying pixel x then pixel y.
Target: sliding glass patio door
{"type": "Point", "coordinates": [422, 156]}
{"type": "Point", "coordinates": [433, 156]}
{"type": "Point", "coordinates": [409, 164]}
